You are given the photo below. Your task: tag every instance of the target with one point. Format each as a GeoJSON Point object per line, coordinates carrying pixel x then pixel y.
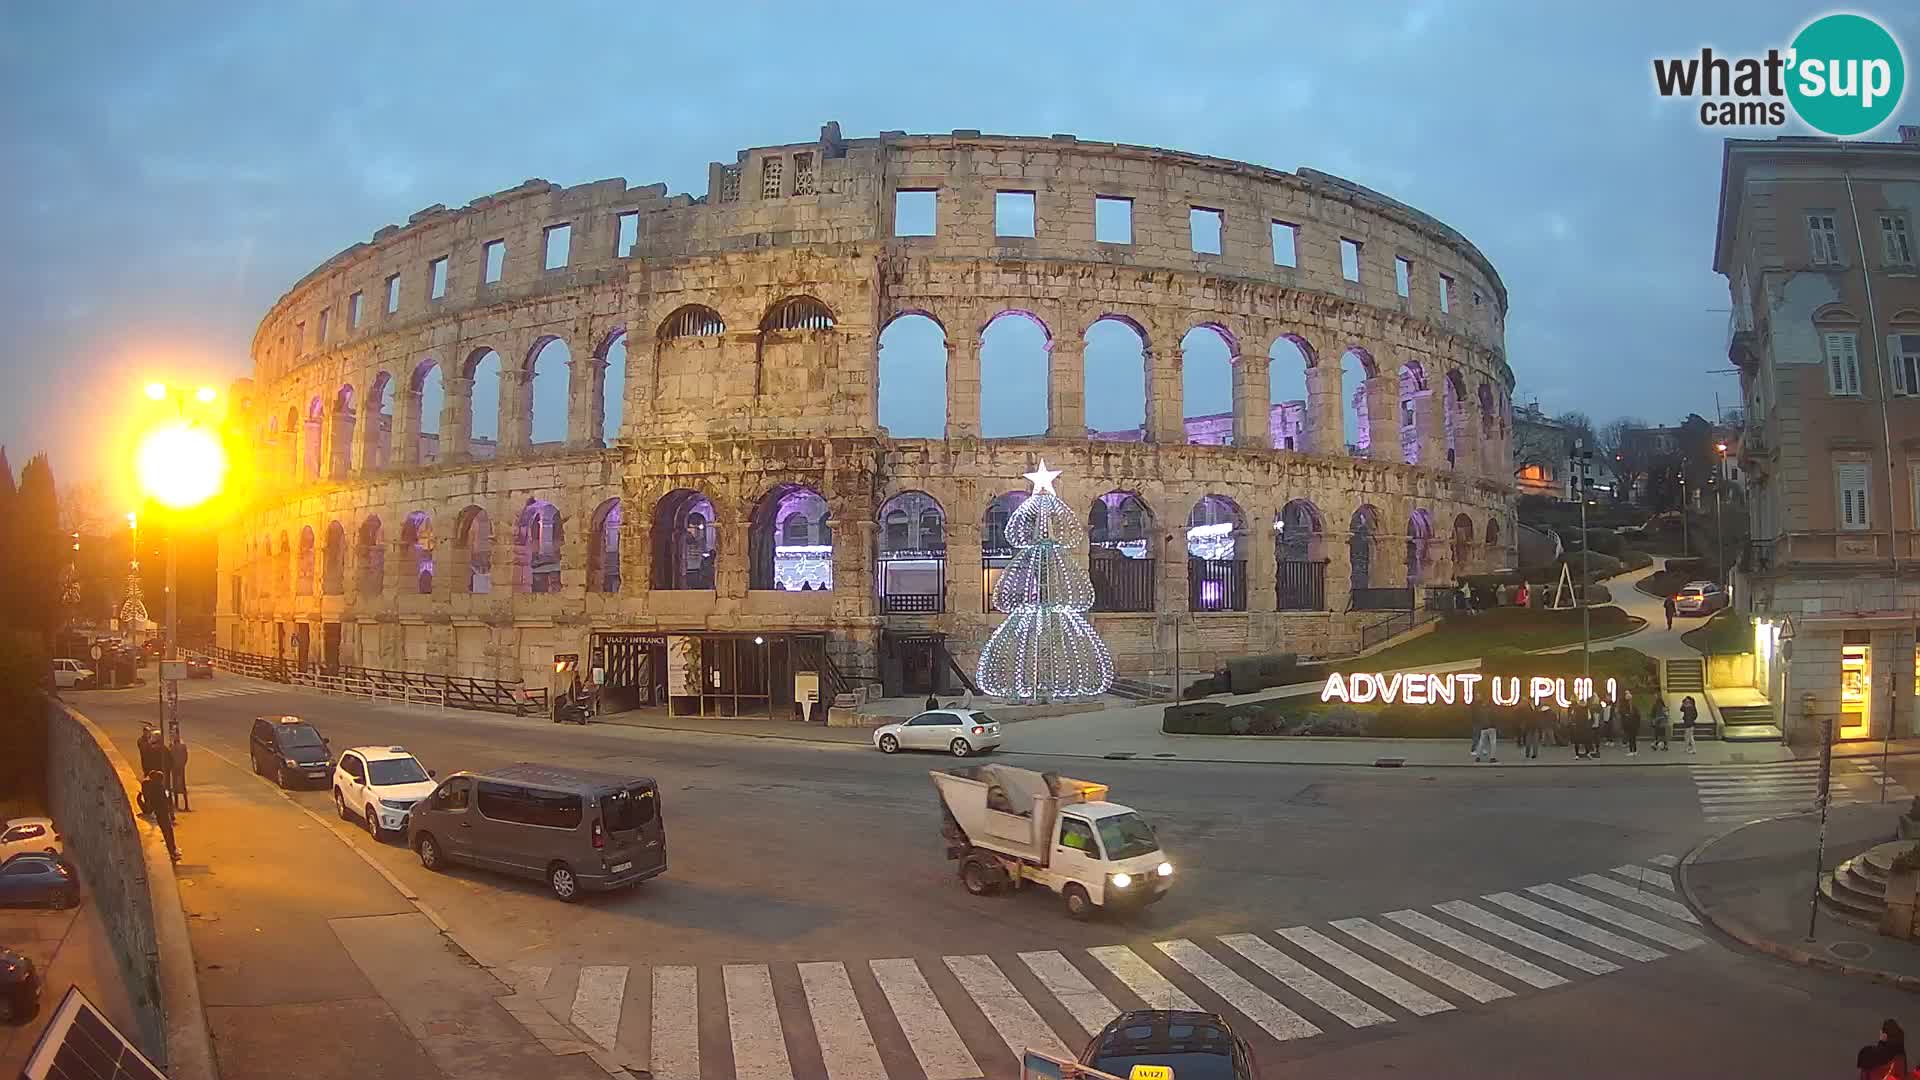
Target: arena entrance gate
{"type": "Point", "coordinates": [636, 669]}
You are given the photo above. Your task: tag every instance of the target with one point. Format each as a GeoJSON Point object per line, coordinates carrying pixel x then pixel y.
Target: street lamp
{"type": "Point", "coordinates": [180, 465]}
{"type": "Point", "coordinates": [1582, 458]}
{"type": "Point", "coordinates": [1719, 529]}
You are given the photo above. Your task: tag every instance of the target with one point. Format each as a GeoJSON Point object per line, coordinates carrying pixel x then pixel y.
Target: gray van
{"type": "Point", "coordinates": [575, 829]}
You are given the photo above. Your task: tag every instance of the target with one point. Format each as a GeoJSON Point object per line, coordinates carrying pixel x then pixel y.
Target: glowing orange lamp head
{"type": "Point", "coordinates": [181, 466]}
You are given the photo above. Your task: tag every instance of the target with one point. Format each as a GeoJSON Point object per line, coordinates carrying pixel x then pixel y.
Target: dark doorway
{"type": "Point", "coordinates": [914, 664]}
{"type": "Point", "coordinates": [636, 669]}
{"type": "Point", "coordinates": [330, 645]}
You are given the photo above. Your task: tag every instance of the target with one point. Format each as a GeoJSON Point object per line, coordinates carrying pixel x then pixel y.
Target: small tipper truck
{"type": "Point", "coordinates": [1007, 826]}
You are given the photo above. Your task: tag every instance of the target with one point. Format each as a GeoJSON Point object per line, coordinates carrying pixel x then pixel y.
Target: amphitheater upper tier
{"type": "Point", "coordinates": [739, 483]}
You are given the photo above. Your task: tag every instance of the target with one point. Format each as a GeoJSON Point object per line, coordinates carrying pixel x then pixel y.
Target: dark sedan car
{"type": "Point", "coordinates": [199, 667]}
{"type": "Point", "coordinates": [19, 986]}
{"type": "Point", "coordinates": [35, 878]}
{"type": "Point", "coordinates": [1186, 1045]}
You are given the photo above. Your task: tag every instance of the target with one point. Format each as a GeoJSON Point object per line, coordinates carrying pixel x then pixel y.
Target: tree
{"type": "Point", "coordinates": [1045, 648]}
{"type": "Point", "coordinates": [39, 550]}
{"type": "Point", "coordinates": [1630, 455]}
{"type": "Point", "coordinates": [1578, 427]}
{"type": "Point", "coordinates": [1698, 457]}
{"type": "Point", "coordinates": [9, 603]}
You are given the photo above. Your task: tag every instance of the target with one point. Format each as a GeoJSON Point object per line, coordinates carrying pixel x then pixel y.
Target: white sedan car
{"type": "Point", "coordinates": [957, 731]}
{"type": "Point", "coordinates": [35, 834]}
{"type": "Point", "coordinates": [379, 785]}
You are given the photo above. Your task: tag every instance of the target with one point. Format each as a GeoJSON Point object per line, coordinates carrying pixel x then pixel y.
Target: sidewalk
{"type": "Point", "coordinates": [69, 948]}
{"type": "Point", "coordinates": [1755, 882]}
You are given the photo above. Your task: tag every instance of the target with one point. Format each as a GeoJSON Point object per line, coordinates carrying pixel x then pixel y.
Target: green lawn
{"type": "Point", "coordinates": [1728, 631]}
{"type": "Point", "coordinates": [1466, 637]}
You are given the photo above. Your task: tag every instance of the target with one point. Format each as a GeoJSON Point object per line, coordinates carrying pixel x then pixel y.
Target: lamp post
{"type": "Point", "coordinates": [1719, 528]}
{"type": "Point", "coordinates": [180, 466]}
{"type": "Point", "coordinates": [1582, 457]}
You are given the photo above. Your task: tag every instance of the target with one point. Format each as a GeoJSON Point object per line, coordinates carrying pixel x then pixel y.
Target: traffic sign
{"type": "Point", "coordinates": [98, 652]}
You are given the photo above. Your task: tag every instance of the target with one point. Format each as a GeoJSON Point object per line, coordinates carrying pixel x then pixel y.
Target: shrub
{"type": "Point", "coordinates": [1635, 559]}
{"type": "Point", "coordinates": [1247, 674]}
{"type": "Point", "coordinates": [1907, 861]}
{"type": "Point", "coordinates": [1605, 542]}
{"type": "Point", "coordinates": [25, 670]}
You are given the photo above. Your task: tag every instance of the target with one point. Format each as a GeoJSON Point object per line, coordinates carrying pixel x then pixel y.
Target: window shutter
{"type": "Point", "coordinates": [1899, 365]}
{"type": "Point", "coordinates": [1853, 363]}
{"type": "Point", "coordinates": [1851, 478]}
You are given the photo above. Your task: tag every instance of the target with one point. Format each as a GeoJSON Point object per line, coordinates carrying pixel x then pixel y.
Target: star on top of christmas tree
{"type": "Point", "coordinates": [1042, 478]}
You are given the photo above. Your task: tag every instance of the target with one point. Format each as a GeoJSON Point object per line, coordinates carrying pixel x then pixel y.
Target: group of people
{"type": "Point", "coordinates": [1587, 726]}
{"type": "Point", "coordinates": [163, 783]}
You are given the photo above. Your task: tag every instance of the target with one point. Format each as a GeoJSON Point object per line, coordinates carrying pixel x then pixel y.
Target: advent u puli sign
{"type": "Point", "coordinates": [1414, 688]}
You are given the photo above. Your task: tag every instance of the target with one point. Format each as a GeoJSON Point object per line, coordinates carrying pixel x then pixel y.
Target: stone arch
{"type": "Point", "coordinates": [486, 377]}
{"type": "Point", "coordinates": [376, 422]}
{"type": "Point", "coordinates": [1486, 410]}
{"type": "Point", "coordinates": [911, 564]}
{"type": "Point", "coordinates": [799, 312]}
{"type": "Point", "coordinates": [611, 386]}
{"type": "Point", "coordinates": [1363, 530]}
{"type": "Point", "coordinates": [1115, 378]}
{"type": "Point", "coordinates": [305, 581]}
{"type": "Point", "coordinates": [603, 548]}
{"type": "Point", "coordinates": [548, 373]}
{"type": "Point", "coordinates": [537, 539]}
{"type": "Point", "coordinates": [339, 449]}
{"type": "Point", "coordinates": [1419, 546]}
{"type": "Point", "coordinates": [473, 546]}
{"type": "Point", "coordinates": [1216, 555]}
{"type": "Point", "coordinates": [372, 562]}
{"type": "Point", "coordinates": [996, 551]}
{"type": "Point", "coordinates": [424, 405]}
{"type": "Point", "coordinates": [1016, 356]}
{"type": "Point", "coordinates": [1356, 420]}
{"type": "Point", "coordinates": [285, 587]}
{"type": "Point", "coordinates": [777, 559]}
{"type": "Point", "coordinates": [1456, 406]}
{"type": "Point", "coordinates": [1290, 415]}
{"type": "Point", "coordinates": [333, 560]}
{"type": "Point", "coordinates": [685, 540]}
{"type": "Point", "coordinates": [1123, 545]}
{"type": "Point", "coordinates": [1207, 355]}
{"type": "Point", "coordinates": [416, 534]}
{"type": "Point", "coordinates": [1496, 554]}
{"type": "Point", "coordinates": [1413, 392]}
{"type": "Point", "coordinates": [1300, 564]}
{"type": "Point", "coordinates": [907, 403]}
{"type": "Point", "coordinates": [310, 447]}
{"type": "Point", "coordinates": [689, 321]}
{"type": "Point", "coordinates": [1460, 545]}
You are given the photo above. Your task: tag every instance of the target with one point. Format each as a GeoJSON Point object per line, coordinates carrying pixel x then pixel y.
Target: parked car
{"type": "Point", "coordinates": [30, 834]}
{"type": "Point", "coordinates": [19, 986]}
{"type": "Point", "coordinates": [38, 878]}
{"type": "Point", "coordinates": [199, 667]}
{"type": "Point", "coordinates": [71, 674]}
{"type": "Point", "coordinates": [1699, 598]}
{"type": "Point", "coordinates": [578, 831]}
{"type": "Point", "coordinates": [1181, 1043]}
{"type": "Point", "coordinates": [379, 785]}
{"type": "Point", "coordinates": [290, 750]}
{"type": "Point", "coordinates": [957, 731]}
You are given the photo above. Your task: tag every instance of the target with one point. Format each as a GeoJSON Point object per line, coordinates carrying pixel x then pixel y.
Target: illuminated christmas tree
{"type": "Point", "coordinates": [133, 610]}
{"type": "Point", "coordinates": [1045, 648]}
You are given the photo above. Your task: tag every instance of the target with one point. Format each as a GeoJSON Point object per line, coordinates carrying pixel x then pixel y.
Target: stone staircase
{"type": "Point", "coordinates": [1748, 723]}
{"type": "Point", "coordinates": [1857, 888]}
{"type": "Point", "coordinates": [1686, 676]}
{"type": "Point", "coordinates": [1139, 690]}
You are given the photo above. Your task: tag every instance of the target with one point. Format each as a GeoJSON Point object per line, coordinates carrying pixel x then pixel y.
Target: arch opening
{"type": "Point", "coordinates": [1300, 580]}
{"type": "Point", "coordinates": [996, 551]}
{"type": "Point", "coordinates": [333, 561]}
{"type": "Point", "coordinates": [613, 387]}
{"type": "Point", "coordinates": [483, 405]}
{"type": "Point", "coordinates": [1115, 380]}
{"type": "Point", "coordinates": [912, 396]}
{"type": "Point", "coordinates": [1015, 375]}
{"type": "Point", "coordinates": [536, 548]}
{"type": "Point", "coordinates": [790, 541]}
{"type": "Point", "coordinates": [603, 549]}
{"type": "Point", "coordinates": [1288, 418]}
{"type": "Point", "coordinates": [372, 568]}
{"type": "Point", "coordinates": [473, 545]}
{"type": "Point", "coordinates": [377, 443]}
{"type": "Point", "coordinates": [549, 373]}
{"type": "Point", "coordinates": [912, 565]}
{"type": "Point", "coordinates": [430, 399]}
{"type": "Point", "coordinates": [1206, 387]}
{"type": "Point", "coordinates": [1121, 552]}
{"type": "Point", "coordinates": [305, 580]}
{"type": "Point", "coordinates": [685, 541]}
{"type": "Point", "coordinates": [416, 533]}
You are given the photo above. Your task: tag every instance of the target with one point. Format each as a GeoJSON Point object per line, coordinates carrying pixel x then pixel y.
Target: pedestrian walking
{"type": "Point", "coordinates": [1486, 737]}
{"type": "Point", "coordinates": [1659, 715]}
{"type": "Point", "coordinates": [1689, 712]}
{"type": "Point", "coordinates": [177, 775]}
{"type": "Point", "coordinates": [155, 790]}
{"type": "Point", "coordinates": [1629, 711]}
{"type": "Point", "coordinates": [1668, 605]}
{"type": "Point", "coordinates": [1596, 728]}
{"type": "Point", "coordinates": [932, 702]}
{"type": "Point", "coordinates": [1885, 1059]}
{"type": "Point", "coordinates": [152, 754]}
{"type": "Point", "coordinates": [966, 699]}
{"type": "Point", "coordinates": [1539, 719]}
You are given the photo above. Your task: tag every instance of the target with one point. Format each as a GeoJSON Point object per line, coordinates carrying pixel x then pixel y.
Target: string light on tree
{"type": "Point", "coordinates": [1045, 648]}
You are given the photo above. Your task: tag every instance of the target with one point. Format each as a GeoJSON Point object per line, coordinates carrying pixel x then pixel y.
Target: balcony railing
{"type": "Point", "coordinates": [1757, 558]}
{"type": "Point", "coordinates": [1122, 584]}
{"type": "Point", "coordinates": [1381, 600]}
{"type": "Point", "coordinates": [1216, 584]}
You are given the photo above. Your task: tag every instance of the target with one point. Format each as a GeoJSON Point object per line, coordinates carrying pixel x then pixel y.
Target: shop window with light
{"type": "Point", "coordinates": [1856, 684]}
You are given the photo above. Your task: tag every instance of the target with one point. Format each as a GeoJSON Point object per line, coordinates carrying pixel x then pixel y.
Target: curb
{"type": "Point", "coordinates": [1747, 936]}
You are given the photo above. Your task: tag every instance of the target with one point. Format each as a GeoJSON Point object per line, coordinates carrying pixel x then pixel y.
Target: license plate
{"type": "Point", "coordinates": [315, 774]}
{"type": "Point", "coordinates": [620, 868]}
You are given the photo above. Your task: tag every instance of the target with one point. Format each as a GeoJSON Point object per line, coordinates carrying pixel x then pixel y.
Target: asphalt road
{"type": "Point", "coordinates": [795, 862]}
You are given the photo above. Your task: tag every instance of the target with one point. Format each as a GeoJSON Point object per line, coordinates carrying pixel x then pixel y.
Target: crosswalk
{"type": "Point", "coordinates": [1733, 793]}
{"type": "Point", "coordinates": [237, 689]}
{"type": "Point", "coordinates": [969, 1017]}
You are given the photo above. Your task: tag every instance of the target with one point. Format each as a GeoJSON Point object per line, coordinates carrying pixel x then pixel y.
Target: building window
{"type": "Point", "coordinates": [1286, 244]}
{"type": "Point", "coordinates": [326, 318]}
{"type": "Point", "coordinates": [1446, 294]}
{"type": "Point", "coordinates": [1402, 276]}
{"type": "Point", "coordinates": [1850, 479]}
{"type": "Point", "coordinates": [1350, 259]}
{"type": "Point", "coordinates": [1013, 213]}
{"type": "Point", "coordinates": [1206, 229]}
{"type": "Point", "coordinates": [437, 276]}
{"type": "Point", "coordinates": [730, 184]}
{"type": "Point", "coordinates": [914, 212]}
{"type": "Point", "coordinates": [1895, 240]}
{"type": "Point", "coordinates": [1823, 239]}
{"type": "Point", "coordinates": [559, 245]}
{"type": "Point", "coordinates": [1112, 219]}
{"type": "Point", "coordinates": [1904, 349]}
{"type": "Point", "coordinates": [393, 293]}
{"type": "Point", "coordinates": [770, 177]}
{"type": "Point", "coordinates": [1843, 365]}
{"type": "Point", "coordinates": [354, 304]}
{"type": "Point", "coordinates": [627, 233]}
{"type": "Point", "coordinates": [803, 174]}
{"type": "Point", "coordinates": [496, 261]}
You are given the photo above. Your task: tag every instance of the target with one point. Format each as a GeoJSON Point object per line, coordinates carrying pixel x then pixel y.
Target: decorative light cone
{"type": "Point", "coordinates": [1045, 648]}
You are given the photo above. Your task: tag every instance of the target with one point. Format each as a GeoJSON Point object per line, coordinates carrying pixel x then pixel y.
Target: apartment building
{"type": "Point", "coordinates": [1816, 240]}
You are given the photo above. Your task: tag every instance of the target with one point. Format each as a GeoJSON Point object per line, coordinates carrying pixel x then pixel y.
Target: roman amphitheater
{"type": "Point", "coordinates": [715, 443]}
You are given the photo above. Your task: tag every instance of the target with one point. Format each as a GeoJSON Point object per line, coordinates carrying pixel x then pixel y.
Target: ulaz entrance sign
{"type": "Point", "coordinates": [1415, 688]}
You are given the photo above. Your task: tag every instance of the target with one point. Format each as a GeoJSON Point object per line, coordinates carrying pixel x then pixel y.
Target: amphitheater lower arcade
{"type": "Point", "coordinates": [717, 494]}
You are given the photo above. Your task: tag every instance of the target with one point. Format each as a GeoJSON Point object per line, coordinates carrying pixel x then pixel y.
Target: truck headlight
{"type": "Point", "coordinates": [1165, 869]}
{"type": "Point", "coordinates": [1121, 881]}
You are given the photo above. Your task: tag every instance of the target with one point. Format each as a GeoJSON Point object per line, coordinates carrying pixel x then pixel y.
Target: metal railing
{"type": "Point", "coordinates": [416, 687]}
{"type": "Point", "coordinates": [1301, 586]}
{"type": "Point", "coordinates": [1122, 584]}
{"type": "Point", "coordinates": [1400, 599]}
{"type": "Point", "coordinates": [1439, 598]}
{"type": "Point", "coordinates": [912, 603]}
{"type": "Point", "coordinates": [1757, 558]}
{"type": "Point", "coordinates": [1216, 584]}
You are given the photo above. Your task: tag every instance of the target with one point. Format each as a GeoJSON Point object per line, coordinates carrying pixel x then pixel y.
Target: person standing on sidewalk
{"type": "Point", "coordinates": [1485, 736]}
{"type": "Point", "coordinates": [161, 806]}
{"type": "Point", "coordinates": [1885, 1059]}
{"type": "Point", "coordinates": [1668, 606]}
{"type": "Point", "coordinates": [177, 773]}
{"type": "Point", "coordinates": [1689, 712]}
{"type": "Point", "coordinates": [1538, 721]}
{"type": "Point", "coordinates": [1596, 727]}
{"type": "Point", "coordinates": [1629, 711]}
{"type": "Point", "coordinates": [1659, 717]}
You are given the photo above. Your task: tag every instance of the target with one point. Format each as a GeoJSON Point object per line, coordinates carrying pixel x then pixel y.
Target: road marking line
{"type": "Point", "coordinates": [1090, 1007]}
{"type": "Point", "coordinates": [1525, 938]}
{"type": "Point", "coordinates": [530, 978]}
{"type": "Point", "coordinates": [935, 1043]}
{"type": "Point", "coordinates": [1673, 909]}
{"type": "Point", "coordinates": [1422, 961]}
{"type": "Point", "coordinates": [1019, 1025]}
{"type": "Point", "coordinates": [674, 1048]}
{"type": "Point", "coordinates": [846, 1044]}
{"type": "Point", "coordinates": [1757, 791]}
{"type": "Point", "coordinates": [1565, 923]}
{"type": "Point", "coordinates": [1142, 978]}
{"type": "Point", "coordinates": [1754, 768]}
{"type": "Point", "coordinates": [1364, 971]}
{"type": "Point", "coordinates": [1645, 876]}
{"type": "Point", "coordinates": [1305, 981]}
{"type": "Point", "coordinates": [1469, 946]}
{"type": "Point", "coordinates": [1625, 920]}
{"type": "Point", "coordinates": [1665, 860]}
{"type": "Point", "coordinates": [759, 1046]}
{"type": "Point", "coordinates": [596, 1003]}
{"type": "Point", "coordinates": [1278, 1020]}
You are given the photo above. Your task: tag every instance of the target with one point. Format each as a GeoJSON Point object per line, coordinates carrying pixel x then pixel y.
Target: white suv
{"type": "Point", "coordinates": [72, 675]}
{"type": "Point", "coordinates": [379, 785]}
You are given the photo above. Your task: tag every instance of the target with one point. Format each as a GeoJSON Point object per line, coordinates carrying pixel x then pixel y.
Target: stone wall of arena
{"type": "Point", "coordinates": [751, 320]}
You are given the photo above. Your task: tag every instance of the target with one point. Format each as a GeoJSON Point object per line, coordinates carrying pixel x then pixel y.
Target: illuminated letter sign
{"type": "Point", "coordinates": [1419, 688]}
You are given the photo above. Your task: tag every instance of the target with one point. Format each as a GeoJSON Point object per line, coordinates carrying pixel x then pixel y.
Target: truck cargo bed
{"type": "Point", "coordinates": [1006, 809]}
